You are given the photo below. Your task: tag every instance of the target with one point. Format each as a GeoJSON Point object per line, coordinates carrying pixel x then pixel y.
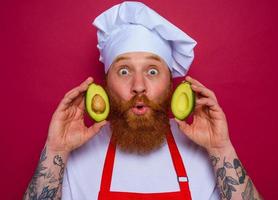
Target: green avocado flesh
{"type": "Point", "coordinates": [183, 101]}
{"type": "Point", "coordinates": [97, 102]}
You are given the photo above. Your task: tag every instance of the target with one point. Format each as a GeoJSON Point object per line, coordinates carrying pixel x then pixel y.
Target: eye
{"type": "Point", "coordinates": [153, 72]}
{"type": "Point", "coordinates": [123, 71]}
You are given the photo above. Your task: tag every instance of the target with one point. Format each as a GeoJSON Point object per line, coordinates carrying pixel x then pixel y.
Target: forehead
{"type": "Point", "coordinates": [139, 57]}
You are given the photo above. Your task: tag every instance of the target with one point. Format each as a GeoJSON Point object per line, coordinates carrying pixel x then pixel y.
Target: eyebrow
{"type": "Point", "coordinates": [121, 58]}
{"type": "Point", "coordinates": [154, 57]}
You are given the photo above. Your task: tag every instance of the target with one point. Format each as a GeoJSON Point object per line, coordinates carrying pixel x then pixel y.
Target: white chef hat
{"type": "Point", "coordinates": [132, 27]}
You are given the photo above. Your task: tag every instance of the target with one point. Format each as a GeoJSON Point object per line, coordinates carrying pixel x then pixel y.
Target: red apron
{"type": "Point", "coordinates": [184, 193]}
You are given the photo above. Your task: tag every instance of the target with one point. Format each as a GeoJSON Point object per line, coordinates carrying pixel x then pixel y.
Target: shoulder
{"type": "Point", "coordinates": [91, 153]}
{"type": "Point", "coordinates": [189, 150]}
{"type": "Point", "coordinates": [84, 167]}
{"type": "Point", "coordinates": [197, 163]}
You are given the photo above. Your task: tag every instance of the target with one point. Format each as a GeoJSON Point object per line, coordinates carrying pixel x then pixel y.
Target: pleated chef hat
{"type": "Point", "coordinates": [132, 27]}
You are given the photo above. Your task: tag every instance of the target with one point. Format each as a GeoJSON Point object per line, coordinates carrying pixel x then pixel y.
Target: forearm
{"type": "Point", "coordinates": [47, 180]}
{"type": "Point", "coordinates": [232, 179]}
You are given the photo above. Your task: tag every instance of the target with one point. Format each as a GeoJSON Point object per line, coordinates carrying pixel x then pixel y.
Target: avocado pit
{"type": "Point", "coordinates": [98, 104]}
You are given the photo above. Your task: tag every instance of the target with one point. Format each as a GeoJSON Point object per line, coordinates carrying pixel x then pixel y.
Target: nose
{"type": "Point", "coordinates": [138, 85]}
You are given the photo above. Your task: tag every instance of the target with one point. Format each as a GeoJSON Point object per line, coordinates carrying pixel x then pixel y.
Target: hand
{"type": "Point", "coordinates": [67, 130]}
{"type": "Point", "coordinates": [209, 128]}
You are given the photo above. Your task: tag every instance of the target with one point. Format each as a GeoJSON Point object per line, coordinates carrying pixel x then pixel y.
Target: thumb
{"type": "Point", "coordinates": [184, 127]}
{"type": "Point", "coordinates": [95, 128]}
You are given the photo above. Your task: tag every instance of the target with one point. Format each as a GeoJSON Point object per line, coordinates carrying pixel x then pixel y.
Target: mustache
{"type": "Point", "coordinates": [157, 107]}
{"type": "Point", "coordinates": [121, 107]}
{"type": "Point", "coordinates": [145, 100]}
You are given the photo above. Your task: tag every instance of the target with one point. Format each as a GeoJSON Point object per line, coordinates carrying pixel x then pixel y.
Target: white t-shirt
{"type": "Point", "coordinates": [152, 173]}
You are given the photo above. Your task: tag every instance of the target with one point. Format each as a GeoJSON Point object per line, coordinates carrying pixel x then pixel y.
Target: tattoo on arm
{"type": "Point", "coordinates": [227, 184]}
{"type": "Point", "coordinates": [214, 160]}
{"type": "Point", "coordinates": [59, 161]}
{"type": "Point", "coordinates": [248, 193]}
{"type": "Point", "coordinates": [46, 180]}
{"type": "Point", "coordinates": [240, 172]}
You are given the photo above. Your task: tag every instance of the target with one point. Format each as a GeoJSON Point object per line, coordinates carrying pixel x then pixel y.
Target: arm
{"type": "Point", "coordinates": [232, 179]}
{"type": "Point", "coordinates": [66, 132]}
{"type": "Point", "coordinates": [209, 129]}
{"type": "Point", "coordinates": [47, 180]}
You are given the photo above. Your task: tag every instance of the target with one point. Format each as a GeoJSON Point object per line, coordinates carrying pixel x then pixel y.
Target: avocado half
{"type": "Point", "coordinates": [183, 101]}
{"type": "Point", "coordinates": [97, 102]}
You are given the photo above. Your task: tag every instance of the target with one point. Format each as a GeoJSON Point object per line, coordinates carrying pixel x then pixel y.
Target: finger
{"type": "Point", "coordinates": [81, 104]}
{"type": "Point", "coordinates": [193, 81]}
{"type": "Point", "coordinates": [204, 91]}
{"type": "Point", "coordinates": [183, 126]}
{"type": "Point", "coordinates": [201, 88]}
{"type": "Point", "coordinates": [74, 93]}
{"type": "Point", "coordinates": [208, 102]}
{"type": "Point", "coordinates": [81, 88]}
{"type": "Point", "coordinates": [94, 129]}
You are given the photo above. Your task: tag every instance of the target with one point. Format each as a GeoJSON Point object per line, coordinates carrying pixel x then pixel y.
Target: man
{"type": "Point", "coordinates": [140, 153]}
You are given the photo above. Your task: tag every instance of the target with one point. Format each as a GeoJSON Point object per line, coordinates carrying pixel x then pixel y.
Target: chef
{"type": "Point", "coordinates": [139, 153]}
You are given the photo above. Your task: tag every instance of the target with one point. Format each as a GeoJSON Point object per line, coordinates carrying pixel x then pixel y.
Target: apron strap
{"type": "Point", "coordinates": [108, 168]}
{"type": "Point", "coordinates": [178, 163]}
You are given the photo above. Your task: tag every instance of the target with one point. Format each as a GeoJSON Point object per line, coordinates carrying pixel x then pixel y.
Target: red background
{"type": "Point", "coordinates": [48, 47]}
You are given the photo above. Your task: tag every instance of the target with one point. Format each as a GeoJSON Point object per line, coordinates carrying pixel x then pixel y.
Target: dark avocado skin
{"type": "Point", "coordinates": [194, 100]}
{"type": "Point", "coordinates": [86, 95]}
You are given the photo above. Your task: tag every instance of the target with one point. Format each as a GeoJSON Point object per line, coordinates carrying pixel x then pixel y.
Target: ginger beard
{"type": "Point", "coordinates": [139, 133]}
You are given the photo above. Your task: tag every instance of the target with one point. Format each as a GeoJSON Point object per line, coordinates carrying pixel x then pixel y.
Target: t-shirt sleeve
{"type": "Point", "coordinates": [66, 192]}
{"type": "Point", "coordinates": [215, 194]}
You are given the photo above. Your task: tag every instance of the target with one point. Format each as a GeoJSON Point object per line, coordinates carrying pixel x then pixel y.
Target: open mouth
{"type": "Point", "coordinates": [140, 108]}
